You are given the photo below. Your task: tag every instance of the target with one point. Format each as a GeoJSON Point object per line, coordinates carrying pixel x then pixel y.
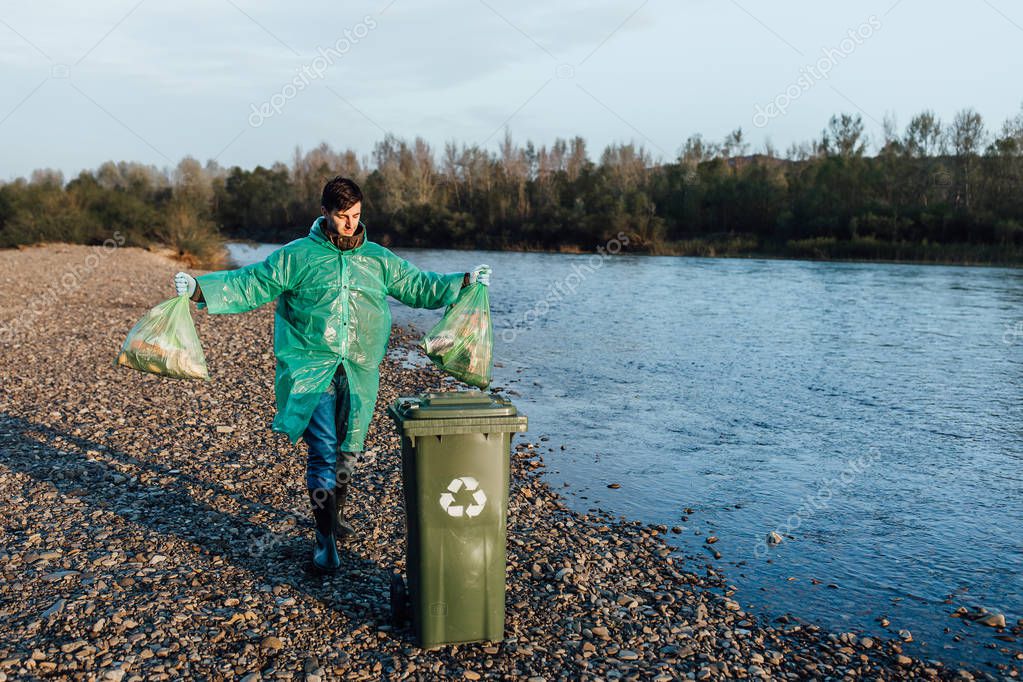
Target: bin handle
{"type": "Point", "coordinates": [405, 403]}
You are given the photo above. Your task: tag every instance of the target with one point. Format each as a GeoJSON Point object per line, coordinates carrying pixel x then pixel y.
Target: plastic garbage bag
{"type": "Point", "coordinates": [164, 342]}
{"type": "Point", "coordinates": [462, 343]}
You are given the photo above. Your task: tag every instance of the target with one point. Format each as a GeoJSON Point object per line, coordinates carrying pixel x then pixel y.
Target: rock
{"type": "Point", "coordinates": [774, 538]}
{"type": "Point", "coordinates": [271, 643]}
{"type": "Point", "coordinates": [311, 666]}
{"type": "Point", "coordinates": [628, 655]}
{"type": "Point", "coordinates": [614, 486]}
{"type": "Point", "coordinates": [57, 607]}
{"type": "Point", "coordinates": [471, 675]}
{"type": "Point", "coordinates": [906, 635]}
{"type": "Point", "coordinates": [992, 620]}
{"type": "Point", "coordinates": [904, 661]}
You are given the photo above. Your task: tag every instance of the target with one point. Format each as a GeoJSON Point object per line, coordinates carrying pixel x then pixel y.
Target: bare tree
{"type": "Point", "coordinates": [734, 144]}
{"type": "Point", "coordinates": [577, 159]}
{"type": "Point", "coordinates": [924, 136]}
{"type": "Point", "coordinates": [1012, 132]}
{"type": "Point", "coordinates": [47, 177]}
{"type": "Point", "coordinates": [844, 136]}
{"type": "Point", "coordinates": [192, 185]}
{"type": "Point", "coordinates": [966, 137]}
{"type": "Point", "coordinates": [626, 166]}
{"type": "Point", "coordinates": [420, 171]}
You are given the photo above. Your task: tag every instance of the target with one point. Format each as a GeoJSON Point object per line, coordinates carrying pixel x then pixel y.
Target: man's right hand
{"type": "Point", "coordinates": [184, 283]}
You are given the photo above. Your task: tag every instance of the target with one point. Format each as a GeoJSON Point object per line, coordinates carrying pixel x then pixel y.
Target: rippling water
{"type": "Point", "coordinates": [870, 413]}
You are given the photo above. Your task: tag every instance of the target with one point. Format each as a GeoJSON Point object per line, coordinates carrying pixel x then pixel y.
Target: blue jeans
{"type": "Point", "coordinates": [326, 464]}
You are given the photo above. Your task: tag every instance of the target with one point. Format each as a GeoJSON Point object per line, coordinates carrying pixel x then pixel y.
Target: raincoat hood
{"type": "Point", "coordinates": [320, 230]}
{"type": "Point", "coordinates": [331, 310]}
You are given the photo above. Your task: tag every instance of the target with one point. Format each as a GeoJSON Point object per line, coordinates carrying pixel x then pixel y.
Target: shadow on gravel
{"type": "Point", "coordinates": [106, 479]}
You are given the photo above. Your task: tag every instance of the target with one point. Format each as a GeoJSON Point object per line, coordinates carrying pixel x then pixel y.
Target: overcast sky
{"type": "Point", "coordinates": [246, 81]}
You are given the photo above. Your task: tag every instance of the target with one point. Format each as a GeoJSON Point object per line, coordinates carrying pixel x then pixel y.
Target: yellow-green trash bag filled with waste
{"type": "Point", "coordinates": [462, 343]}
{"type": "Point", "coordinates": [164, 342]}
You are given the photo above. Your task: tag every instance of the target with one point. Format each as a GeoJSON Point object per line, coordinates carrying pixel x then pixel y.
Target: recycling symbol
{"type": "Point", "coordinates": [471, 485]}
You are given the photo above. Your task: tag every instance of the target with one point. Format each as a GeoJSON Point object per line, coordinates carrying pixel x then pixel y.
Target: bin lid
{"type": "Point", "coordinates": [456, 412]}
{"type": "Point", "coordinates": [455, 405]}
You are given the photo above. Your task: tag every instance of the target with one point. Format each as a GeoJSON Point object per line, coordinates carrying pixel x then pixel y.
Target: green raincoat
{"type": "Point", "coordinates": [332, 310]}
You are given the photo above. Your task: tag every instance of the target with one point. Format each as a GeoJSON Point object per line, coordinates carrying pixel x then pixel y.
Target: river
{"type": "Point", "coordinates": [870, 414]}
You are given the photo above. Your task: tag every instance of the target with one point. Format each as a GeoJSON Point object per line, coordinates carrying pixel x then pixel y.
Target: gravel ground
{"type": "Point", "coordinates": [154, 529]}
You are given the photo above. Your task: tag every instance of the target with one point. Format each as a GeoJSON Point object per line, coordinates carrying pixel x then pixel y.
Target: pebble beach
{"type": "Point", "coordinates": [156, 529]}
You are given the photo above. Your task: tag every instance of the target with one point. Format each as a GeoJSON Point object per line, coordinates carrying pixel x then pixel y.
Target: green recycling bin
{"type": "Point", "coordinates": [456, 449]}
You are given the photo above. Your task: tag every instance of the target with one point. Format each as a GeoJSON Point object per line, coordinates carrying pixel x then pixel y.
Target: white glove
{"type": "Point", "coordinates": [184, 283]}
{"type": "Point", "coordinates": [481, 274]}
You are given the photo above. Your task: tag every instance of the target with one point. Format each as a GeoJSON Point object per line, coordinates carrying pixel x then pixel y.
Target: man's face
{"type": "Point", "coordinates": [345, 222]}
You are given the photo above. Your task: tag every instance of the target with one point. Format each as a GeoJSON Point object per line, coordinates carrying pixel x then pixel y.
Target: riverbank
{"type": "Point", "coordinates": [157, 528]}
{"type": "Point", "coordinates": [817, 250]}
{"type": "Point", "coordinates": [859, 250]}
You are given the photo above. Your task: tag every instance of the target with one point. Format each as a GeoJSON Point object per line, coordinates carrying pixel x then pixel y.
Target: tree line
{"type": "Point", "coordinates": [934, 190]}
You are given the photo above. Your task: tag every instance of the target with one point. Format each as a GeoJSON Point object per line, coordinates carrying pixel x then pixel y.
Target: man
{"type": "Point", "coordinates": [330, 334]}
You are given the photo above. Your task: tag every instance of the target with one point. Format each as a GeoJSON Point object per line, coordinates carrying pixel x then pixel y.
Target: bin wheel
{"type": "Point", "coordinates": [400, 606]}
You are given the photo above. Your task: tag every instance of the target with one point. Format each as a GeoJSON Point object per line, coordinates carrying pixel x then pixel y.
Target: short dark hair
{"type": "Point", "coordinates": [340, 194]}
